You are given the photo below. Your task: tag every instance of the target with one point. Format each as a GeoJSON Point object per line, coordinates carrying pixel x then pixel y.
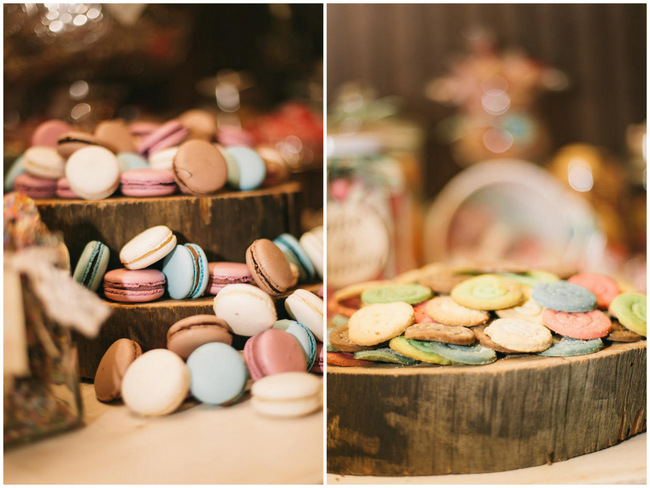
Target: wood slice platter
{"type": "Point", "coordinates": [518, 412]}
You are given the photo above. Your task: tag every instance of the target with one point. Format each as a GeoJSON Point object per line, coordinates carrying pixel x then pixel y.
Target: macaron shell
{"type": "Point", "coordinates": [63, 189]}
{"type": "Point", "coordinates": [186, 335]}
{"type": "Point", "coordinates": [276, 351]}
{"type": "Point", "coordinates": [131, 160]}
{"type": "Point", "coordinates": [112, 367]}
{"type": "Point", "coordinates": [200, 270]}
{"type": "Point", "coordinates": [246, 309]}
{"type": "Point", "coordinates": [199, 168]}
{"type": "Point", "coordinates": [48, 132]}
{"type": "Point", "coordinates": [178, 267]}
{"type": "Point", "coordinates": [252, 169]}
{"type": "Point", "coordinates": [140, 285]}
{"type": "Point", "coordinates": [148, 182]}
{"type": "Point", "coordinates": [163, 159]}
{"type": "Point", "coordinates": [312, 243]}
{"type": "Point", "coordinates": [307, 308]}
{"type": "Point", "coordinates": [156, 383]}
{"type": "Point", "coordinates": [304, 337]}
{"type": "Point", "coordinates": [17, 168]}
{"type": "Point", "coordinates": [171, 133]}
{"type": "Point", "coordinates": [218, 373]}
{"type": "Point", "coordinates": [148, 247]}
{"type": "Point", "coordinates": [35, 187]}
{"type": "Point", "coordinates": [93, 173]}
{"type": "Point", "coordinates": [117, 134]}
{"type": "Point", "coordinates": [73, 141]}
{"type": "Point", "coordinates": [222, 273]}
{"type": "Point", "coordinates": [44, 162]}
{"type": "Point", "coordinates": [269, 267]}
{"type": "Point", "coordinates": [285, 395]}
{"type": "Point", "coordinates": [92, 265]}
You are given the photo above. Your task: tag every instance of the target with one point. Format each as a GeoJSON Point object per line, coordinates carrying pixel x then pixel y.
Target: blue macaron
{"type": "Point", "coordinates": [294, 252]}
{"type": "Point", "coordinates": [218, 374]}
{"type": "Point", "coordinates": [17, 168]}
{"type": "Point", "coordinates": [186, 271]}
{"type": "Point", "coordinates": [92, 265]}
{"type": "Point", "coordinates": [129, 161]}
{"type": "Point", "coordinates": [304, 337]}
{"type": "Point", "coordinates": [250, 171]}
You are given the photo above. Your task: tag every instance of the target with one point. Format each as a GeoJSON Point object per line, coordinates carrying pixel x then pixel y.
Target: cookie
{"type": "Point", "coordinates": [604, 287]}
{"type": "Point", "coordinates": [577, 325]}
{"type": "Point", "coordinates": [449, 334]}
{"type": "Point", "coordinates": [531, 278]}
{"type": "Point", "coordinates": [519, 335]}
{"type": "Point", "coordinates": [473, 355]}
{"type": "Point", "coordinates": [621, 334]}
{"type": "Point", "coordinates": [573, 347]}
{"type": "Point", "coordinates": [410, 293]}
{"type": "Point", "coordinates": [329, 347]}
{"type": "Point", "coordinates": [530, 311]}
{"type": "Point", "coordinates": [339, 319]}
{"type": "Point", "coordinates": [564, 297]}
{"type": "Point", "coordinates": [380, 322]}
{"type": "Point", "coordinates": [420, 311]}
{"type": "Point", "coordinates": [347, 300]}
{"type": "Point", "coordinates": [416, 350]}
{"type": "Point", "coordinates": [345, 359]}
{"type": "Point", "coordinates": [631, 311]}
{"type": "Point", "coordinates": [445, 310]}
{"type": "Point", "coordinates": [485, 341]}
{"type": "Point", "coordinates": [443, 281]}
{"type": "Point", "coordinates": [488, 292]}
{"type": "Point", "coordinates": [385, 355]}
{"type": "Point", "coordinates": [340, 340]}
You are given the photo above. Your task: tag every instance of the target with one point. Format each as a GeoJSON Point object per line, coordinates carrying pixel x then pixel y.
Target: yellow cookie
{"type": "Point", "coordinates": [530, 310]}
{"type": "Point", "coordinates": [488, 292]}
{"type": "Point", "coordinates": [519, 335]}
{"type": "Point", "coordinates": [379, 322]}
{"type": "Point", "coordinates": [446, 311]}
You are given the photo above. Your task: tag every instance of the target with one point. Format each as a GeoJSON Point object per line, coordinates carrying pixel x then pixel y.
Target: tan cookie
{"type": "Point", "coordinates": [485, 341]}
{"type": "Point", "coordinates": [449, 334]}
{"type": "Point", "coordinates": [379, 322]}
{"type": "Point", "coordinates": [621, 334]}
{"type": "Point", "coordinates": [445, 310]}
{"type": "Point", "coordinates": [530, 310]}
{"type": "Point", "coordinates": [340, 340]}
{"type": "Point", "coordinates": [519, 335]}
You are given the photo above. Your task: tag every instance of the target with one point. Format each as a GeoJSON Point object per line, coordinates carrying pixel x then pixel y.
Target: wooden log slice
{"type": "Point", "coordinates": [519, 412]}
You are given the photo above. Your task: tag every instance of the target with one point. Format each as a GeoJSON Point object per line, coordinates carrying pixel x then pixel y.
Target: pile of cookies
{"type": "Point", "coordinates": [445, 315]}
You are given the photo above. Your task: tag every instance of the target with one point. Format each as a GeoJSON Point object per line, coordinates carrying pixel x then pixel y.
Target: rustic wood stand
{"type": "Point", "coordinates": [519, 412]}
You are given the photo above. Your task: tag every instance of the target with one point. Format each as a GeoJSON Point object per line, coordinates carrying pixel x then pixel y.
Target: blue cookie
{"type": "Point", "coordinates": [573, 347]}
{"type": "Point", "coordinates": [475, 354]}
{"type": "Point", "coordinates": [564, 297]}
{"type": "Point", "coordinates": [303, 335]}
{"type": "Point", "coordinates": [294, 252]}
{"type": "Point", "coordinates": [92, 265]}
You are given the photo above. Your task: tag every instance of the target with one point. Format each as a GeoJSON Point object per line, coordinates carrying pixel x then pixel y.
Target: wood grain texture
{"type": "Point", "coordinates": [515, 413]}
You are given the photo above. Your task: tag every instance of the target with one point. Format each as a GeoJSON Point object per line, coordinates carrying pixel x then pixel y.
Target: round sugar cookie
{"type": "Point", "coordinates": [604, 287]}
{"type": "Point", "coordinates": [621, 334]}
{"type": "Point", "coordinates": [519, 335]}
{"type": "Point", "coordinates": [379, 322]}
{"type": "Point", "coordinates": [564, 297]}
{"type": "Point", "coordinates": [420, 311]}
{"type": "Point", "coordinates": [573, 347]}
{"type": "Point", "coordinates": [530, 311]}
{"type": "Point", "coordinates": [485, 341]}
{"type": "Point", "coordinates": [577, 325]}
{"type": "Point", "coordinates": [409, 293]}
{"type": "Point", "coordinates": [339, 339]}
{"type": "Point", "coordinates": [445, 310]}
{"type": "Point", "coordinates": [631, 311]}
{"type": "Point", "coordinates": [443, 281]}
{"type": "Point", "coordinates": [385, 355]}
{"type": "Point", "coordinates": [488, 292]}
{"type": "Point", "coordinates": [416, 350]}
{"type": "Point", "coordinates": [449, 334]}
{"type": "Point", "coordinates": [473, 355]}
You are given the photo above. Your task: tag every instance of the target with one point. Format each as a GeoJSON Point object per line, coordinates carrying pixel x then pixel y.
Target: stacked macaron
{"type": "Point", "coordinates": [143, 159]}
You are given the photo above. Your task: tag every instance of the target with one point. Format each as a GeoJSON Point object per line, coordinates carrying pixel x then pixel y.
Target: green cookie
{"type": "Point", "coordinates": [385, 355]}
{"type": "Point", "coordinates": [413, 349]}
{"type": "Point", "coordinates": [475, 354]}
{"type": "Point", "coordinates": [631, 311]}
{"type": "Point", "coordinates": [531, 278]}
{"type": "Point", "coordinates": [410, 294]}
{"type": "Point", "coordinates": [573, 347]}
{"type": "Point", "coordinates": [340, 319]}
{"type": "Point", "coordinates": [488, 292]}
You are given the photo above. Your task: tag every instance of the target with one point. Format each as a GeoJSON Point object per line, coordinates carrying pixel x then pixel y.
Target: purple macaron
{"type": "Point", "coordinates": [134, 285]}
{"type": "Point", "coordinates": [169, 134]}
{"type": "Point", "coordinates": [221, 274]}
{"type": "Point", "coordinates": [35, 187]}
{"type": "Point", "coordinates": [149, 182]}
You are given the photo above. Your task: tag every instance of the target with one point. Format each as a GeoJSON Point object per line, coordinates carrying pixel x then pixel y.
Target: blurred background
{"type": "Point", "coordinates": [258, 67]}
{"type": "Point", "coordinates": [463, 132]}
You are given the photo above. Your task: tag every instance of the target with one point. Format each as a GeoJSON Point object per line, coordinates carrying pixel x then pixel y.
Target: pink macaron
{"type": "Point", "coordinates": [48, 133]}
{"type": "Point", "coordinates": [148, 182]}
{"type": "Point", "coordinates": [221, 274]}
{"type": "Point", "coordinates": [35, 187]}
{"type": "Point", "coordinates": [63, 189]}
{"type": "Point", "coordinates": [169, 134]}
{"type": "Point", "coordinates": [134, 285]}
{"type": "Point", "coordinates": [234, 136]}
{"type": "Point", "coordinates": [273, 351]}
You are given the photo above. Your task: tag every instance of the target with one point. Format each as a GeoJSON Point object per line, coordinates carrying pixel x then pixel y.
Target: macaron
{"type": "Point", "coordinates": [163, 159]}
{"type": "Point", "coordinates": [186, 270]}
{"type": "Point", "coordinates": [272, 352]}
{"type": "Point", "coordinates": [92, 265]}
{"type": "Point", "coordinates": [294, 252]}
{"type": "Point", "coordinates": [72, 141]}
{"type": "Point", "coordinates": [147, 182]}
{"type": "Point", "coordinates": [304, 337]}
{"type": "Point", "coordinates": [319, 364]}
{"type": "Point", "coordinates": [218, 374]}
{"type": "Point", "coordinates": [35, 187]}
{"type": "Point", "coordinates": [116, 134]}
{"type": "Point", "coordinates": [131, 160]}
{"type": "Point", "coordinates": [63, 189]}
{"type": "Point", "coordinates": [93, 173]}
{"type": "Point", "coordinates": [199, 168]}
{"type": "Point", "coordinates": [47, 133]}
{"type": "Point", "coordinates": [234, 136]}
{"type": "Point", "coordinates": [277, 169]}
{"type": "Point", "coordinates": [287, 395]}
{"type": "Point", "coordinates": [44, 162]}
{"type": "Point", "coordinates": [222, 273]}
{"type": "Point", "coordinates": [156, 383]}
{"type": "Point", "coordinates": [169, 134]}
{"type": "Point", "coordinates": [201, 123]}
{"type": "Point", "coordinates": [306, 308]}
{"type": "Point", "coordinates": [269, 267]}
{"type": "Point", "coordinates": [246, 309]}
{"type": "Point", "coordinates": [312, 243]}
{"type": "Point", "coordinates": [16, 168]}
{"type": "Point", "coordinates": [112, 367]}
{"type": "Point", "coordinates": [184, 336]}
{"type": "Point", "coordinates": [134, 285]}
{"type": "Point", "coordinates": [251, 168]}
{"type": "Point", "coordinates": [148, 247]}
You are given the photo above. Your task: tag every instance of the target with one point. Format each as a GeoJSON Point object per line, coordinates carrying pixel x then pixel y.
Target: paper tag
{"type": "Point", "coordinates": [16, 361]}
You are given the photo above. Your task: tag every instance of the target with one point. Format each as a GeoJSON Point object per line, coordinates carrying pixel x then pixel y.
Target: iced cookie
{"type": "Point", "coordinates": [530, 311]}
{"type": "Point", "coordinates": [449, 334]}
{"type": "Point", "coordinates": [577, 325]}
{"type": "Point", "coordinates": [488, 292]}
{"type": "Point", "coordinates": [604, 287]}
{"type": "Point", "coordinates": [410, 293]}
{"type": "Point", "coordinates": [380, 322]}
{"type": "Point", "coordinates": [445, 310]}
{"type": "Point", "coordinates": [631, 311]}
{"type": "Point", "coordinates": [564, 296]}
{"type": "Point", "coordinates": [519, 335]}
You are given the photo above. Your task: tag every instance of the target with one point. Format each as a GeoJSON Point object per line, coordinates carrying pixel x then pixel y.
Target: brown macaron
{"type": "Point", "coordinates": [199, 168]}
{"type": "Point", "coordinates": [111, 369]}
{"type": "Point", "coordinates": [72, 141]}
{"type": "Point", "coordinates": [269, 267]}
{"type": "Point", "coordinates": [192, 332]}
{"type": "Point", "coordinates": [117, 134]}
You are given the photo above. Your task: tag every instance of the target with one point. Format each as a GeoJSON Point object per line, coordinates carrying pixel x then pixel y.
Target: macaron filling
{"type": "Point", "coordinates": [166, 242]}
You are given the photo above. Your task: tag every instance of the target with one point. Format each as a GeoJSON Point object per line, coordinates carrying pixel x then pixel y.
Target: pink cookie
{"type": "Point", "coordinates": [169, 134]}
{"type": "Point", "coordinates": [605, 288]}
{"type": "Point", "coordinates": [148, 182]}
{"type": "Point", "coordinates": [134, 285]}
{"type": "Point", "coordinates": [47, 133]}
{"type": "Point", "coordinates": [421, 316]}
{"type": "Point", "coordinates": [221, 274]}
{"type": "Point", "coordinates": [234, 136]}
{"type": "Point", "coordinates": [273, 351]}
{"type": "Point", "coordinates": [577, 325]}
{"type": "Point", "coordinates": [34, 186]}
{"type": "Point", "coordinates": [63, 189]}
